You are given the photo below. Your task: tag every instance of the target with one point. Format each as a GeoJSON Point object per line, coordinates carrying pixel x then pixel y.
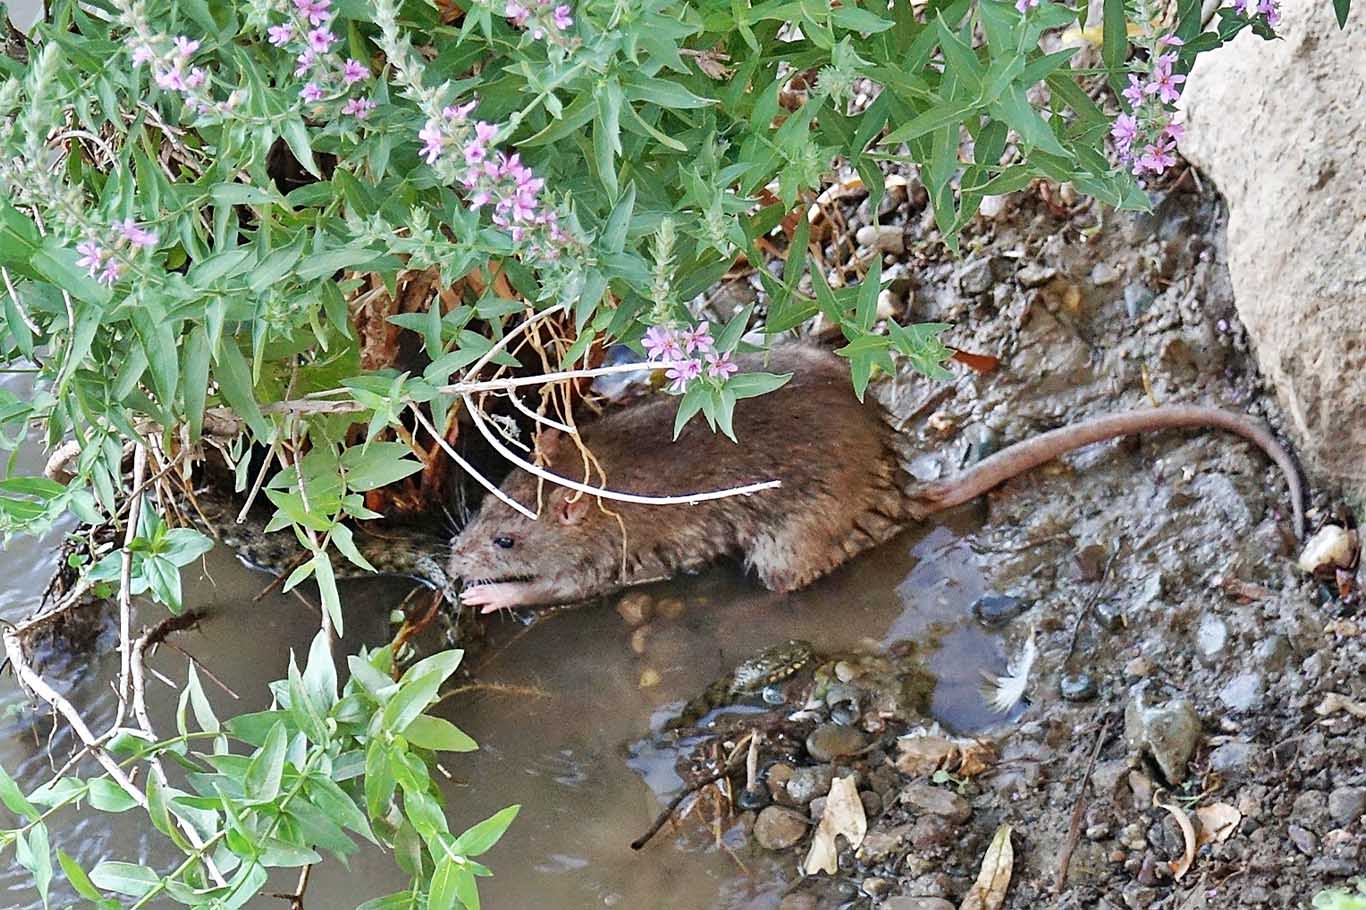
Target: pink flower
{"type": "Point", "coordinates": [1174, 132]}
{"type": "Point", "coordinates": [1025, 5]}
{"type": "Point", "coordinates": [1269, 9]}
{"type": "Point", "coordinates": [280, 35]}
{"type": "Point", "coordinates": [138, 237]}
{"type": "Point", "coordinates": [562, 18]}
{"type": "Point", "coordinates": [1170, 40]}
{"type": "Point", "coordinates": [305, 62]}
{"type": "Point", "coordinates": [354, 71]}
{"type": "Point", "coordinates": [1124, 131]}
{"type": "Point", "coordinates": [1155, 158]}
{"type": "Point", "coordinates": [359, 108]}
{"type": "Point", "coordinates": [314, 10]}
{"type": "Point", "coordinates": [484, 132]}
{"type": "Point", "coordinates": [697, 338]}
{"type": "Point", "coordinates": [434, 141]}
{"type": "Point", "coordinates": [517, 13]}
{"type": "Point", "coordinates": [91, 256]}
{"type": "Point", "coordinates": [111, 272]}
{"type": "Point", "coordinates": [142, 54]}
{"type": "Point", "coordinates": [1240, 7]}
{"type": "Point", "coordinates": [683, 374]}
{"type": "Point", "coordinates": [475, 152]}
{"type": "Point", "coordinates": [169, 79]}
{"type": "Point", "coordinates": [720, 366]}
{"type": "Point", "coordinates": [321, 40]}
{"type": "Point", "coordinates": [458, 113]}
{"type": "Point", "coordinates": [1164, 83]}
{"type": "Point", "coordinates": [196, 78]}
{"type": "Point", "coordinates": [661, 343]}
{"type": "Point", "coordinates": [184, 47]}
{"type": "Point", "coordinates": [1134, 93]}
{"type": "Point", "coordinates": [311, 92]}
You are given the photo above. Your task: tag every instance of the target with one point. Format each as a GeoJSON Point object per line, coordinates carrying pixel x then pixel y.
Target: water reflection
{"type": "Point", "coordinates": [561, 712]}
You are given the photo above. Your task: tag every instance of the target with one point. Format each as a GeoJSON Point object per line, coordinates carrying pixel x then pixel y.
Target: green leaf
{"type": "Point", "coordinates": [327, 588]}
{"type": "Point", "coordinates": [1340, 9]}
{"type": "Point", "coordinates": [752, 385]}
{"type": "Point", "coordinates": [234, 380]}
{"type": "Point", "coordinates": [859, 20]}
{"type": "Point", "coordinates": [76, 876]}
{"type": "Point", "coordinates": [693, 400]}
{"type": "Point", "coordinates": [378, 464]}
{"type": "Point", "coordinates": [443, 895]}
{"type": "Point", "coordinates": [262, 780]}
{"type": "Point", "coordinates": [195, 368]}
{"type": "Point", "coordinates": [296, 137]}
{"type": "Point", "coordinates": [124, 878]}
{"type": "Point", "coordinates": [438, 734]}
{"type": "Point", "coordinates": [481, 837]}
{"type": "Point", "coordinates": [13, 797]}
{"type": "Point", "coordinates": [1114, 41]}
{"type": "Point", "coordinates": [107, 796]}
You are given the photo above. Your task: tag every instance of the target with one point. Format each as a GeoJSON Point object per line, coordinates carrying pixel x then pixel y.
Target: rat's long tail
{"type": "Point", "coordinates": [1024, 456]}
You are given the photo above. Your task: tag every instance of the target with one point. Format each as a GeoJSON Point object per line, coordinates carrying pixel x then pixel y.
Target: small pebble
{"type": "Point", "coordinates": [937, 801]}
{"type": "Point", "coordinates": [649, 678]}
{"type": "Point", "coordinates": [1031, 276]}
{"type": "Point", "coordinates": [810, 782]}
{"type": "Point", "coordinates": [778, 828]}
{"type": "Point", "coordinates": [1138, 668]}
{"type": "Point", "coordinates": [755, 797]}
{"type": "Point", "coordinates": [1102, 273]}
{"type": "Point", "coordinates": [995, 610]}
{"type": "Point", "coordinates": [830, 741]}
{"type": "Point", "coordinates": [639, 638]}
{"type": "Point", "coordinates": [992, 206]}
{"type": "Point", "coordinates": [876, 887]}
{"type": "Point", "coordinates": [1303, 839]}
{"type": "Point", "coordinates": [976, 277]}
{"type": "Point", "coordinates": [1110, 615]}
{"type": "Point", "coordinates": [634, 608]}
{"type": "Point", "coordinates": [1137, 299]}
{"type": "Point", "coordinates": [1347, 805]}
{"type": "Point", "coordinates": [885, 237]}
{"type": "Point", "coordinates": [670, 608]}
{"type": "Point", "coordinates": [1331, 545]}
{"type": "Point", "coordinates": [1078, 687]}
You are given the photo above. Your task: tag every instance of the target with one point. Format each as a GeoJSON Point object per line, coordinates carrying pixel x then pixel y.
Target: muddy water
{"type": "Point", "coordinates": [561, 716]}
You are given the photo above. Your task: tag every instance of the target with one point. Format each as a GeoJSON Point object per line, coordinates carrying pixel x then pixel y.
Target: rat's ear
{"type": "Point", "coordinates": [548, 442]}
{"type": "Point", "coordinates": [570, 511]}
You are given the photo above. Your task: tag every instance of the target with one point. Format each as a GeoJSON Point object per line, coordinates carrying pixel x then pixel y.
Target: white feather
{"type": "Point", "coordinates": [1004, 692]}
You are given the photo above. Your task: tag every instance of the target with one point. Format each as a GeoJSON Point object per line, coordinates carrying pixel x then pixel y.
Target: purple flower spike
{"type": "Point", "coordinates": [280, 35]}
{"type": "Point", "coordinates": [354, 71]}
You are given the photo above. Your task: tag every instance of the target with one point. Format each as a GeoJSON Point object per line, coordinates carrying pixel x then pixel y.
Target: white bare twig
{"type": "Point", "coordinates": [540, 418]}
{"type": "Point", "coordinates": [126, 584]}
{"type": "Point", "coordinates": [466, 466]}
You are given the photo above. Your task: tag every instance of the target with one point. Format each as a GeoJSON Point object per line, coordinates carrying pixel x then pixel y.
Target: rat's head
{"type": "Point", "coordinates": [506, 559]}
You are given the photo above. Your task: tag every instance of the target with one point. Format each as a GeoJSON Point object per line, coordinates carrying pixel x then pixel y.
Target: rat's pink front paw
{"type": "Point", "coordinates": [494, 597]}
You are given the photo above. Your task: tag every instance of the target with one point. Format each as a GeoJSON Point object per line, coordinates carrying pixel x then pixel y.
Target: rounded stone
{"type": "Point", "coordinates": [936, 801]}
{"type": "Point", "coordinates": [830, 741]}
{"type": "Point", "coordinates": [755, 797]}
{"type": "Point", "coordinates": [1347, 805]}
{"type": "Point", "coordinates": [808, 783]}
{"type": "Point", "coordinates": [993, 610]}
{"type": "Point", "coordinates": [779, 827]}
{"type": "Point", "coordinates": [1078, 686]}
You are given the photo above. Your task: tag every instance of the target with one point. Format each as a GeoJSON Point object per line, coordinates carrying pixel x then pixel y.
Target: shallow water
{"type": "Point", "coordinates": [568, 736]}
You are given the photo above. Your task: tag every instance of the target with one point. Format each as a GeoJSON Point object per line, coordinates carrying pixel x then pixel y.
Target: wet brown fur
{"type": "Point", "coordinates": [843, 488]}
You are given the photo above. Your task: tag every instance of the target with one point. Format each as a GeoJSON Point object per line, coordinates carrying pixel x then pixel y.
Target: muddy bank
{"type": "Point", "coordinates": [1175, 636]}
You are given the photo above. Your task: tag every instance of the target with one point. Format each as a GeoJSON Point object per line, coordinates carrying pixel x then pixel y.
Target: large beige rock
{"type": "Point", "coordinates": [1281, 129]}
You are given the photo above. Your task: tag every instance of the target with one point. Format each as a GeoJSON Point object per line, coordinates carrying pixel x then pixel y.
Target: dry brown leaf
{"type": "Point", "coordinates": [977, 757]}
{"type": "Point", "coordinates": [843, 815]}
{"type": "Point", "coordinates": [1217, 822]}
{"type": "Point", "coordinates": [1180, 866]}
{"type": "Point", "coordinates": [1334, 702]}
{"type": "Point", "coordinates": [989, 891]}
{"type": "Point", "coordinates": [921, 756]}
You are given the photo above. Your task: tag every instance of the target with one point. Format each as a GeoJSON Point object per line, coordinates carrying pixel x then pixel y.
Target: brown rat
{"type": "Point", "coordinates": [843, 490]}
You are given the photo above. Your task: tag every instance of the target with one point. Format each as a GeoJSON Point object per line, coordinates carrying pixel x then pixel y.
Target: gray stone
{"type": "Point", "coordinates": [1242, 693]}
{"type": "Point", "coordinates": [1232, 758]}
{"type": "Point", "coordinates": [808, 783]}
{"type": "Point", "coordinates": [1077, 686]}
{"type": "Point", "coordinates": [830, 741]}
{"type": "Point", "coordinates": [916, 903]}
{"type": "Point", "coordinates": [1168, 730]}
{"type": "Point", "coordinates": [1031, 276]}
{"type": "Point", "coordinates": [1212, 635]}
{"type": "Point", "coordinates": [887, 238]}
{"type": "Point", "coordinates": [801, 901]}
{"type": "Point", "coordinates": [931, 831]}
{"type": "Point", "coordinates": [1303, 839]}
{"type": "Point", "coordinates": [1346, 805]}
{"type": "Point", "coordinates": [936, 801]}
{"type": "Point", "coordinates": [976, 277]}
{"type": "Point", "coordinates": [1302, 309]}
{"type": "Point", "coordinates": [994, 610]}
{"type": "Point", "coordinates": [1102, 273]}
{"type": "Point", "coordinates": [778, 828]}
{"type": "Point", "coordinates": [1137, 298]}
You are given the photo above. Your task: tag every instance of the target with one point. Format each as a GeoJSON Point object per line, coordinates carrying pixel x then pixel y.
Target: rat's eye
{"type": "Point", "coordinates": [503, 543]}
